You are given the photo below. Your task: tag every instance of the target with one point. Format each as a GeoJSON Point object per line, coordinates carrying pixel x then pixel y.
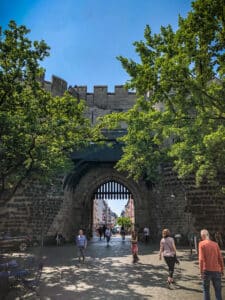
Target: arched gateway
{"type": "Point", "coordinates": [94, 167]}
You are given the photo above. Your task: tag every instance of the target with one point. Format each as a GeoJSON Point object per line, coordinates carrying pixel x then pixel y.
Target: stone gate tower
{"type": "Point", "coordinates": [66, 205]}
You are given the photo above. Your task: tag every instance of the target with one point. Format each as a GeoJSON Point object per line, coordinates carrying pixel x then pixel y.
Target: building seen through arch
{"type": "Point", "coordinates": [102, 212]}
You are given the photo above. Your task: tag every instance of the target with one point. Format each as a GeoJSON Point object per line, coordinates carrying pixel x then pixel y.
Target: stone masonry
{"type": "Point", "coordinates": [44, 210]}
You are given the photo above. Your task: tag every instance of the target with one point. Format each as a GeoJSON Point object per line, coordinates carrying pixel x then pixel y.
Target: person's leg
{"type": "Point", "coordinates": [167, 262]}
{"type": "Point", "coordinates": [135, 251]}
{"type": "Point", "coordinates": [206, 285]}
{"type": "Point", "coordinates": [79, 253]}
{"type": "Point", "coordinates": [83, 254]}
{"type": "Point", "coordinates": [170, 261]}
{"type": "Point", "coordinates": [171, 267]}
{"type": "Point", "coordinates": [216, 280]}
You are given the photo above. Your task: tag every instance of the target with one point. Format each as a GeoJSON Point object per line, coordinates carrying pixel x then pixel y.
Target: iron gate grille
{"type": "Point", "coordinates": [112, 190]}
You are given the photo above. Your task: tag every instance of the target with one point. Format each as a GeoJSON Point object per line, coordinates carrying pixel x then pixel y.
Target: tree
{"type": "Point", "coordinates": [124, 221]}
{"type": "Point", "coordinates": [180, 113]}
{"type": "Point", "coordinates": [37, 131]}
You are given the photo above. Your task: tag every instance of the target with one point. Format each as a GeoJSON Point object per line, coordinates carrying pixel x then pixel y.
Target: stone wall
{"type": "Point", "coordinates": [38, 209]}
{"type": "Point", "coordinates": [32, 209]}
{"type": "Point", "coordinates": [100, 102]}
{"type": "Point", "coordinates": [180, 206]}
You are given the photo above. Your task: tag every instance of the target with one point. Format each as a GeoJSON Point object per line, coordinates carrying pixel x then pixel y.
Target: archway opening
{"type": "Point", "coordinates": [112, 199]}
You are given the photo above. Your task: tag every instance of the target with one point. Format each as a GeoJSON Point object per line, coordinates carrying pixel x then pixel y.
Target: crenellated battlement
{"type": "Point", "coordinates": [58, 86]}
{"type": "Point", "coordinates": [100, 101]}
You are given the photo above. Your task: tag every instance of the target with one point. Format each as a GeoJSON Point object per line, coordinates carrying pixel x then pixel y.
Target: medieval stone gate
{"type": "Point", "coordinates": [93, 168]}
{"type": "Point", "coordinates": [66, 205]}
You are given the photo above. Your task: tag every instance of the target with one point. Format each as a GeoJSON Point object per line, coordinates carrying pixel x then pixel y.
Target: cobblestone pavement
{"type": "Point", "coordinates": [108, 273]}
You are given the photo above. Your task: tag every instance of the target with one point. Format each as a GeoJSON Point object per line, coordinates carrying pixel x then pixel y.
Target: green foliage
{"type": "Point", "coordinates": [124, 221]}
{"type": "Point", "coordinates": [37, 131]}
{"type": "Point", "coordinates": [182, 116]}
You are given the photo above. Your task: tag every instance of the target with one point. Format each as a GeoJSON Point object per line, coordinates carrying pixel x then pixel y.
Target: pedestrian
{"type": "Point", "coordinates": [168, 251]}
{"type": "Point", "coordinates": [211, 265]}
{"type": "Point", "coordinates": [134, 246]}
{"type": "Point", "coordinates": [146, 233]}
{"type": "Point", "coordinates": [122, 233]}
{"type": "Point", "coordinates": [59, 239]}
{"type": "Point", "coordinates": [81, 242]}
{"type": "Point", "coordinates": [218, 238]}
{"type": "Point", "coordinates": [103, 230]}
{"type": "Point", "coordinates": [100, 231]}
{"type": "Point", "coordinates": [108, 234]}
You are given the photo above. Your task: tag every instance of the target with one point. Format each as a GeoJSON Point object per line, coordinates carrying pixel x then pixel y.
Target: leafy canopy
{"type": "Point", "coordinates": [37, 131]}
{"type": "Point", "coordinates": [124, 221]}
{"type": "Point", "coordinates": [180, 113]}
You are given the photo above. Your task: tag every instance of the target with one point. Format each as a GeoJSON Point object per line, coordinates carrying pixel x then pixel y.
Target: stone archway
{"type": "Point", "coordinates": [105, 203]}
{"type": "Point", "coordinates": [83, 195]}
{"type": "Point", "coordinates": [154, 206]}
{"type": "Point", "coordinates": [76, 210]}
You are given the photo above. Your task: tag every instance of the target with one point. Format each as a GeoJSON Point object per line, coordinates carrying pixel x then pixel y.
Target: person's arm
{"type": "Point", "coordinates": [174, 246]}
{"type": "Point", "coordinates": [200, 258]}
{"type": "Point", "coordinates": [85, 243]}
{"type": "Point", "coordinates": [134, 240]}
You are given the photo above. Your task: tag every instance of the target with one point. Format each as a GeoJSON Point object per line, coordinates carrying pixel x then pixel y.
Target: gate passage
{"type": "Point", "coordinates": [112, 190]}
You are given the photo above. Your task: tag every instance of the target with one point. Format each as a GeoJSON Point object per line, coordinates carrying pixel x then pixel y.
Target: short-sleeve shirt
{"type": "Point", "coordinates": [166, 244]}
{"type": "Point", "coordinates": [81, 240]}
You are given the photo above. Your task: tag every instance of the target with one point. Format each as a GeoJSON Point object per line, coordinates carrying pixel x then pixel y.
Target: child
{"type": "Point", "coordinates": [81, 242]}
{"type": "Point", "coordinates": [134, 246]}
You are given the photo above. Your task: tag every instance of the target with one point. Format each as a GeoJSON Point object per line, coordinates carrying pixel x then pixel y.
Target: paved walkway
{"type": "Point", "coordinates": [108, 273]}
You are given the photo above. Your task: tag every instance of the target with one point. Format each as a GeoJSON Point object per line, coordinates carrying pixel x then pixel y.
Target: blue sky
{"type": "Point", "coordinates": [117, 206]}
{"type": "Point", "coordinates": [85, 36]}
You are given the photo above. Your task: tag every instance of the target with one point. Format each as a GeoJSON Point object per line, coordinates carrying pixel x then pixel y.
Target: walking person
{"type": "Point", "coordinates": [81, 242]}
{"type": "Point", "coordinates": [211, 265]}
{"type": "Point", "coordinates": [103, 230]}
{"type": "Point", "coordinates": [58, 239]}
{"type": "Point", "coordinates": [123, 233]}
{"type": "Point", "coordinates": [146, 233]}
{"type": "Point", "coordinates": [134, 246]}
{"type": "Point", "coordinates": [100, 232]}
{"type": "Point", "coordinates": [218, 238]}
{"type": "Point", "coordinates": [108, 234]}
{"type": "Point", "coordinates": [168, 251]}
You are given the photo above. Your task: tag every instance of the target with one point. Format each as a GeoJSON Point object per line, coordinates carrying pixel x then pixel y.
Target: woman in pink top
{"type": "Point", "coordinates": [168, 250]}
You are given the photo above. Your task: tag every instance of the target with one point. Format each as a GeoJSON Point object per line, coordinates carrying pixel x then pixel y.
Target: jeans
{"type": "Point", "coordinates": [216, 280]}
{"type": "Point", "coordinates": [81, 252]}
